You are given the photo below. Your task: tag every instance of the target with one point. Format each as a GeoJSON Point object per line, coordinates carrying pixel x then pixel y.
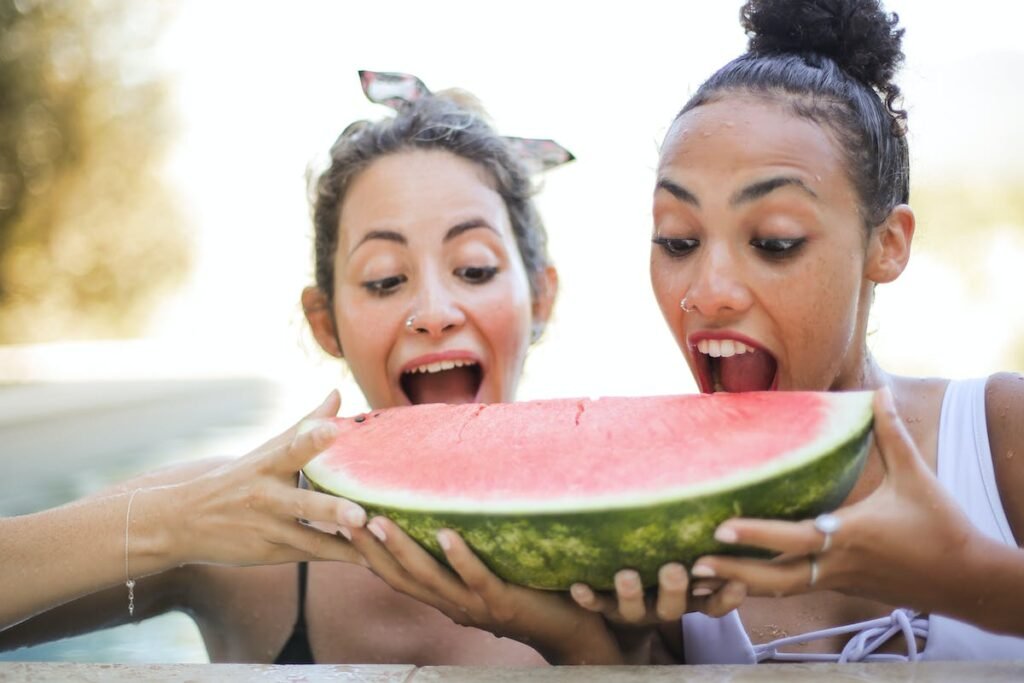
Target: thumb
{"type": "Point", "coordinates": [899, 453]}
{"type": "Point", "coordinates": [330, 406]}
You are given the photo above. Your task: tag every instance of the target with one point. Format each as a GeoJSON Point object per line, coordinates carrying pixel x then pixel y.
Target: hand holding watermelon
{"type": "Point", "coordinates": [892, 546]}
{"type": "Point", "coordinates": [245, 512]}
{"type": "Point", "coordinates": [471, 595]}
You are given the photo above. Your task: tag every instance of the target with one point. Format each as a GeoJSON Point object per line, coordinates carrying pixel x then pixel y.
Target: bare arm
{"type": "Point", "coordinates": [1004, 407]}
{"type": "Point", "coordinates": [237, 511]}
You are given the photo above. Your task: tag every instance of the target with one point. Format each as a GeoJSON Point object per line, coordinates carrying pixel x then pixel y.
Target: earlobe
{"type": "Point", "coordinates": [889, 247]}
{"type": "Point", "coordinates": [317, 308]}
{"type": "Point", "coordinates": [544, 301]}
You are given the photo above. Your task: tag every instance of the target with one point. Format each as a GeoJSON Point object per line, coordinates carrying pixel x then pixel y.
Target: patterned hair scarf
{"type": "Point", "coordinates": [397, 90]}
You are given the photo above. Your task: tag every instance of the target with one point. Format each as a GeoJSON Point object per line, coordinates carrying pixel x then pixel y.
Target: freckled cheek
{"type": "Point", "coordinates": [505, 320]}
{"type": "Point", "coordinates": [366, 337]}
{"type": "Point", "coordinates": [823, 326]}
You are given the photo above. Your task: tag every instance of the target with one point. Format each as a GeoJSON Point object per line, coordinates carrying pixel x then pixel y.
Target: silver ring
{"type": "Point", "coordinates": [409, 321]}
{"type": "Point", "coordinates": [814, 571]}
{"type": "Point", "coordinates": [828, 524]}
{"type": "Point", "coordinates": [687, 308]}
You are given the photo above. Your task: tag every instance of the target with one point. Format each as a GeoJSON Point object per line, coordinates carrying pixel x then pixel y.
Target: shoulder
{"type": "Point", "coordinates": [1004, 412]}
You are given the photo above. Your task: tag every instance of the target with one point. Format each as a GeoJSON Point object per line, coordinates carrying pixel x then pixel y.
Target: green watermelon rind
{"type": "Point", "coordinates": [553, 550]}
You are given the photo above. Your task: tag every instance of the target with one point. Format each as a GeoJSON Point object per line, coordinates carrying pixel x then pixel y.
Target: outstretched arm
{"type": "Point", "coordinates": [240, 511]}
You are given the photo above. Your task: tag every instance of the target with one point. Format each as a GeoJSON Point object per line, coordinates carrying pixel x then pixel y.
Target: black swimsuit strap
{"type": "Point", "coordinates": [300, 620]}
{"type": "Point", "coordinates": [297, 649]}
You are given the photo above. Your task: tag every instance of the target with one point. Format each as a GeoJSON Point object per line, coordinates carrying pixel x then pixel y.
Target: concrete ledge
{"type": "Point", "coordinates": [921, 672]}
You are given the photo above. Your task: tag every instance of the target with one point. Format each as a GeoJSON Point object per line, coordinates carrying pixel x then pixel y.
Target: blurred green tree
{"type": "Point", "coordinates": [90, 236]}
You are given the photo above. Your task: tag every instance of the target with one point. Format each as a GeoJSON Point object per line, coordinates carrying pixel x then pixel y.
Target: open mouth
{"type": "Point", "coordinates": [447, 381]}
{"type": "Point", "coordinates": [732, 365]}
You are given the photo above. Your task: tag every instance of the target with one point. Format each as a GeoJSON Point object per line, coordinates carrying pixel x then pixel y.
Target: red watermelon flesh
{"type": "Point", "coordinates": [571, 448]}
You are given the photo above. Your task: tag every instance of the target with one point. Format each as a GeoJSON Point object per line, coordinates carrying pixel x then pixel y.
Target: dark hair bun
{"type": "Point", "coordinates": [857, 35]}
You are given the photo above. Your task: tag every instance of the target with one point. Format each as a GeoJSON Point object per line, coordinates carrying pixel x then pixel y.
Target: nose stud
{"type": "Point", "coordinates": [409, 322]}
{"type": "Point", "coordinates": [686, 306]}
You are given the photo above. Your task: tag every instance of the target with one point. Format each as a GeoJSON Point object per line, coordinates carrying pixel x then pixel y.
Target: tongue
{"type": "Point", "coordinates": [458, 385]}
{"type": "Point", "coordinates": [747, 372]}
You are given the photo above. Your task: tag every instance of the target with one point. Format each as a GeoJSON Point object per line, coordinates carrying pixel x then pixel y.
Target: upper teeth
{"type": "Point", "coordinates": [723, 347]}
{"type": "Point", "coordinates": [442, 365]}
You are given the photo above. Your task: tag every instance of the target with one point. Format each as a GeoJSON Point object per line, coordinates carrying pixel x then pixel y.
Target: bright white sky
{"type": "Point", "coordinates": [264, 88]}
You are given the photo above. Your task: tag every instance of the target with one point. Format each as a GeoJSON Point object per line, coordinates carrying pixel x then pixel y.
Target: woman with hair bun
{"type": "Point", "coordinates": [781, 203]}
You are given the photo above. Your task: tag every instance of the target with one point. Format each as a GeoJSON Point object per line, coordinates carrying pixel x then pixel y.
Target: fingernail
{"type": "Point", "coordinates": [701, 592]}
{"type": "Point", "coordinates": [354, 516]}
{"type": "Point", "coordinates": [327, 399]}
{"type": "Point", "coordinates": [444, 541]}
{"type": "Point", "coordinates": [377, 531]}
{"type": "Point", "coordinates": [672, 575]}
{"type": "Point", "coordinates": [345, 532]}
{"type": "Point", "coordinates": [702, 571]}
{"type": "Point", "coordinates": [724, 534]}
{"type": "Point", "coordinates": [581, 593]}
{"type": "Point", "coordinates": [627, 580]}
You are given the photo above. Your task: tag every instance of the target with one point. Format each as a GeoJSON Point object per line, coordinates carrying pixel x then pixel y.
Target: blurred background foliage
{"type": "Point", "coordinates": [90, 236]}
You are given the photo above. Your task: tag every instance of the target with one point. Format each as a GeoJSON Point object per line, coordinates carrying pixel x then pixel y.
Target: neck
{"type": "Point", "coordinates": [867, 375]}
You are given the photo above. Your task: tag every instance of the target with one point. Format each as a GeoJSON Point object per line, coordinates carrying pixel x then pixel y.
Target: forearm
{"type": "Point", "coordinates": [57, 555]}
{"type": "Point", "coordinates": [990, 588]}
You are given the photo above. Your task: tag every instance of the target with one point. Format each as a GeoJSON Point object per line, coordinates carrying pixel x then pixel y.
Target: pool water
{"type": "Point", "coordinates": [59, 442]}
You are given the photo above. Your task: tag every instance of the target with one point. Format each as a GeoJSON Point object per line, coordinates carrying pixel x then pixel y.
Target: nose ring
{"type": "Point", "coordinates": [686, 306]}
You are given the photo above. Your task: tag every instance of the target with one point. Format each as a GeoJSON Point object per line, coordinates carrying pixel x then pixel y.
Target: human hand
{"type": "Point", "coordinates": [631, 604]}
{"type": "Point", "coordinates": [648, 621]}
{"type": "Point", "coordinates": [248, 510]}
{"type": "Point", "coordinates": [471, 595]}
{"type": "Point", "coordinates": [898, 545]}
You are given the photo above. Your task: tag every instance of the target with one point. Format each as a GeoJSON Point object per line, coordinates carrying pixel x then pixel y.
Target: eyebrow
{"type": "Point", "coordinates": [399, 238]}
{"type": "Point", "coordinates": [387, 235]}
{"type": "Point", "coordinates": [763, 187]}
{"type": "Point", "coordinates": [464, 226]}
{"type": "Point", "coordinates": [678, 191]}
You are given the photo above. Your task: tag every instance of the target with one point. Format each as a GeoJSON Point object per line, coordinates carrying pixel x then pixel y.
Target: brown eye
{"type": "Point", "coordinates": [384, 286]}
{"type": "Point", "coordinates": [778, 248]}
{"type": "Point", "coordinates": [676, 246]}
{"type": "Point", "coordinates": [476, 275]}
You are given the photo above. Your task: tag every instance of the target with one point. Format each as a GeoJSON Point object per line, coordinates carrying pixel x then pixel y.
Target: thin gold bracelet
{"type": "Point", "coordinates": [129, 582]}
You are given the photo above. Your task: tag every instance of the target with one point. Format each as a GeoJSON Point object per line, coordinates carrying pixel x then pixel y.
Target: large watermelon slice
{"type": "Point", "coordinates": [552, 492]}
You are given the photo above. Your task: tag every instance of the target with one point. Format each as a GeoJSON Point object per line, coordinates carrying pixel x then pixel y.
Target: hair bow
{"type": "Point", "coordinates": [397, 90]}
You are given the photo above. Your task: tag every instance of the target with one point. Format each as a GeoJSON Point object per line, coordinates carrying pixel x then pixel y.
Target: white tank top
{"type": "Point", "coordinates": [964, 468]}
